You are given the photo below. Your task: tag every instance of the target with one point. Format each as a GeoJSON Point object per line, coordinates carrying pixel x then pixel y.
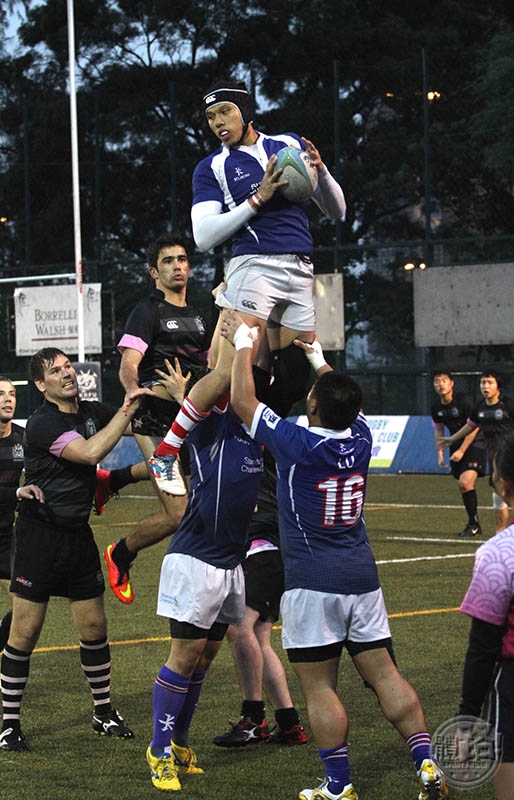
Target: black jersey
{"type": "Point", "coordinates": [11, 467]}
{"type": "Point", "coordinates": [454, 415]}
{"type": "Point", "coordinates": [158, 330]}
{"type": "Point", "coordinates": [494, 420]}
{"type": "Point", "coordinates": [68, 486]}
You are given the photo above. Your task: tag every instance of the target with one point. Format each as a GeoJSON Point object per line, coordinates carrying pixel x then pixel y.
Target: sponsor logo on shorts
{"type": "Point", "coordinates": [249, 304]}
{"type": "Point", "coordinates": [24, 581]}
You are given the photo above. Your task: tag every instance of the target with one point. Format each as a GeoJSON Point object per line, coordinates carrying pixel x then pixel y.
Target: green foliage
{"type": "Point", "coordinates": [142, 69]}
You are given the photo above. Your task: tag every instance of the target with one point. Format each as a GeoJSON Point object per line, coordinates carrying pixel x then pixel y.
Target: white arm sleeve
{"type": "Point", "coordinates": [211, 227]}
{"type": "Point", "coordinates": [329, 196]}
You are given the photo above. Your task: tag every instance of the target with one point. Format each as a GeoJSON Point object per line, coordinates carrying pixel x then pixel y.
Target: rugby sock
{"type": "Point", "coordinates": [337, 767]}
{"type": "Point", "coordinates": [254, 709]}
{"type": "Point", "coordinates": [14, 668]}
{"type": "Point", "coordinates": [120, 478]}
{"type": "Point", "coordinates": [5, 627]}
{"type": "Point", "coordinates": [122, 556]}
{"type": "Point", "coordinates": [286, 718]}
{"type": "Point", "coordinates": [470, 501]}
{"type": "Point", "coordinates": [187, 418]}
{"type": "Point", "coordinates": [95, 657]}
{"type": "Point", "coordinates": [181, 732]}
{"type": "Point", "coordinates": [169, 695]}
{"type": "Point", "coordinates": [420, 746]}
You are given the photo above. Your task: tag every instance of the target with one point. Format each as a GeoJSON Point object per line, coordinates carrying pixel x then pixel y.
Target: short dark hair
{"type": "Point", "coordinates": [504, 457]}
{"type": "Point", "coordinates": [43, 358]}
{"type": "Point", "coordinates": [493, 373]}
{"type": "Point", "coordinates": [442, 372]}
{"type": "Point", "coordinates": [6, 380]}
{"type": "Point", "coordinates": [164, 240]}
{"type": "Point", "coordinates": [339, 400]}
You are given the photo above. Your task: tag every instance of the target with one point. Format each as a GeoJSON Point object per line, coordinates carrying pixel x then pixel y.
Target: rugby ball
{"type": "Point", "coordinates": [300, 173]}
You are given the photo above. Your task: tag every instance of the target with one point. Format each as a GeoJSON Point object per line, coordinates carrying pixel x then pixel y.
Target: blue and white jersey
{"type": "Point", "coordinates": [231, 174]}
{"type": "Point", "coordinates": [321, 486]}
{"type": "Point", "coordinates": [226, 471]}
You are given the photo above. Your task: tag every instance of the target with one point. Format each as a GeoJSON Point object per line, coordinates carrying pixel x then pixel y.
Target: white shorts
{"type": "Point", "coordinates": [193, 591]}
{"type": "Point", "coordinates": [274, 287]}
{"type": "Point", "coordinates": [315, 619]}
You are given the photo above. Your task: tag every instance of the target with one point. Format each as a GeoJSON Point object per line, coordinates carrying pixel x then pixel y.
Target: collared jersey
{"type": "Point", "coordinates": [494, 420]}
{"type": "Point", "coordinates": [231, 174]}
{"type": "Point", "coordinates": [158, 330]}
{"type": "Point", "coordinates": [68, 487]}
{"type": "Point", "coordinates": [454, 415]}
{"type": "Point", "coordinates": [226, 470]}
{"type": "Point", "coordinates": [490, 596]}
{"type": "Point", "coordinates": [11, 467]}
{"type": "Point", "coordinates": [321, 481]}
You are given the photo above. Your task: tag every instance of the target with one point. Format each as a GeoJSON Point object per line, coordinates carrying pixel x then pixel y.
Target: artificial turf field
{"type": "Point", "coordinates": [425, 569]}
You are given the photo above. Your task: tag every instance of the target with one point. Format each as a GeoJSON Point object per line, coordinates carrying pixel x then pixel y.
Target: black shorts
{"type": "Point", "coordinates": [499, 711]}
{"type": "Point", "coordinates": [327, 652]}
{"type": "Point", "coordinates": [264, 582]}
{"type": "Point", "coordinates": [6, 536]}
{"type": "Point", "coordinates": [474, 458]}
{"type": "Point", "coordinates": [55, 560]}
{"type": "Point", "coordinates": [154, 416]}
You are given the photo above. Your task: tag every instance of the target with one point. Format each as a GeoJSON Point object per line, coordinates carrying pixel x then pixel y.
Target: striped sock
{"type": "Point", "coordinates": [15, 674]}
{"type": "Point", "coordinates": [337, 767]}
{"type": "Point", "coordinates": [181, 731]}
{"type": "Point", "coordinates": [187, 418]}
{"type": "Point", "coordinates": [95, 658]}
{"type": "Point", "coordinates": [420, 746]}
{"type": "Point", "coordinates": [169, 695]}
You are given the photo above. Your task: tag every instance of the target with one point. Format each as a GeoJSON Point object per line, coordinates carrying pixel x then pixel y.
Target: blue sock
{"type": "Point", "coordinates": [181, 732]}
{"type": "Point", "coordinates": [337, 767]}
{"type": "Point", "coordinates": [420, 746]}
{"type": "Point", "coordinates": [169, 695]}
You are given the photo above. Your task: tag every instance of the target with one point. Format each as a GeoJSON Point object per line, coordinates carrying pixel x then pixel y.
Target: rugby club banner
{"type": "Point", "coordinates": [46, 316]}
{"type": "Point", "coordinates": [387, 434]}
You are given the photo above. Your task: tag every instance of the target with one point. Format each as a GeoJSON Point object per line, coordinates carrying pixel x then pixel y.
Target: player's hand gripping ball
{"type": "Point", "coordinates": [299, 171]}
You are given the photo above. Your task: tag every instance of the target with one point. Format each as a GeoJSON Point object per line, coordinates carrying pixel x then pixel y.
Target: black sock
{"type": "Point", "coordinates": [254, 709]}
{"type": "Point", "coordinates": [120, 478]}
{"type": "Point", "coordinates": [286, 718]}
{"type": "Point", "coordinates": [470, 501]}
{"type": "Point", "coordinates": [5, 627]}
{"type": "Point", "coordinates": [121, 556]}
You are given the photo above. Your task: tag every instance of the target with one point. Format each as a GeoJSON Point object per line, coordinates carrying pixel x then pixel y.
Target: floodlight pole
{"type": "Point", "coordinates": [76, 184]}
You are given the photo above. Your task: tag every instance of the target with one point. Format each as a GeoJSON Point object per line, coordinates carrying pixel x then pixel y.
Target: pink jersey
{"type": "Point", "coordinates": [490, 596]}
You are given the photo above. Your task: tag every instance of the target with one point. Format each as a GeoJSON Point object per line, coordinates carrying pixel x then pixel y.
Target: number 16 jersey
{"type": "Point", "coordinates": [321, 486]}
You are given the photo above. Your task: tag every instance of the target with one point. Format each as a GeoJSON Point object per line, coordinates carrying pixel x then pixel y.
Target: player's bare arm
{"type": "Point", "coordinates": [91, 451]}
{"type": "Point", "coordinates": [447, 441]}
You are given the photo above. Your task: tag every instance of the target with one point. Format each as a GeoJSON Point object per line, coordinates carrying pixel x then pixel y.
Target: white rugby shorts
{"type": "Point", "coordinates": [315, 619]}
{"type": "Point", "coordinates": [193, 591]}
{"type": "Point", "coordinates": [274, 287]}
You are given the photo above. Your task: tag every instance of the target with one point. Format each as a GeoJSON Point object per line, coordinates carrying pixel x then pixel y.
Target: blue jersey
{"type": "Point", "coordinates": [321, 486]}
{"type": "Point", "coordinates": [231, 174]}
{"type": "Point", "coordinates": [226, 470]}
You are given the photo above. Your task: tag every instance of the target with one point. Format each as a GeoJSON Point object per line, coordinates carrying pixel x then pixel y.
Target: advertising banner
{"type": "Point", "coordinates": [387, 433]}
{"type": "Point", "coordinates": [46, 316]}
